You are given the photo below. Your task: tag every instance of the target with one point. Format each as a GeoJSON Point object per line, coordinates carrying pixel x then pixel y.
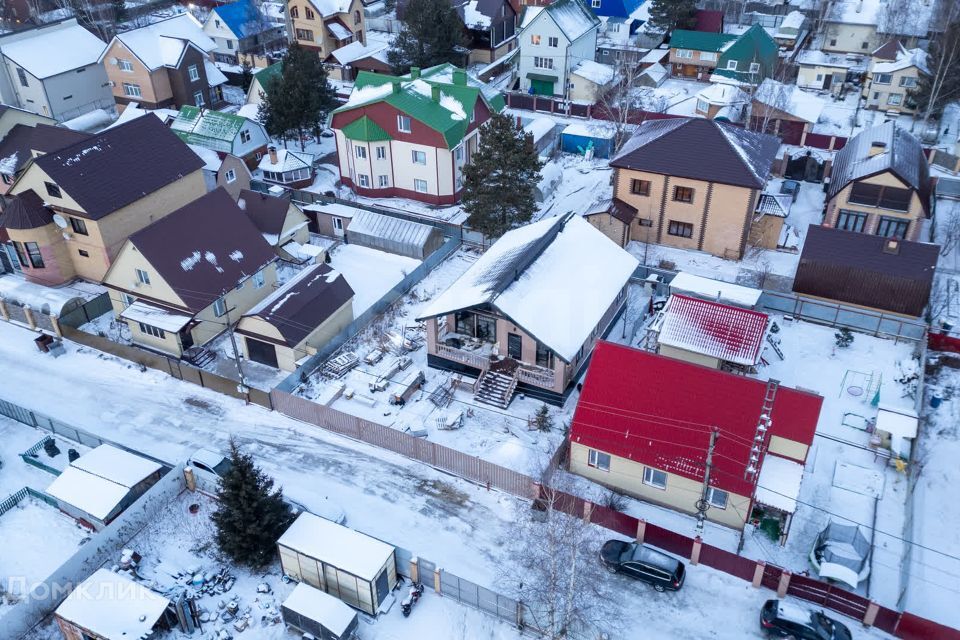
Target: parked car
{"type": "Point", "coordinates": [210, 462]}
{"type": "Point", "coordinates": [780, 619]}
{"type": "Point", "coordinates": [643, 563]}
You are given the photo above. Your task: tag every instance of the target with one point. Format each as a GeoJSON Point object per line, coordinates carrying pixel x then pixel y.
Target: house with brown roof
{"type": "Point", "coordinates": [24, 142]}
{"type": "Point", "coordinates": [696, 184]}
{"type": "Point", "coordinates": [73, 209]}
{"type": "Point", "coordinates": [281, 223]}
{"type": "Point", "coordinates": [894, 71]}
{"type": "Point", "coordinates": [12, 116]}
{"type": "Point", "coordinates": [185, 279]}
{"type": "Point", "coordinates": [297, 319]}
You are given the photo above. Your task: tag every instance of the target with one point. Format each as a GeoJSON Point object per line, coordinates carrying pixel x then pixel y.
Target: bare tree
{"type": "Point", "coordinates": [942, 86]}
{"type": "Point", "coordinates": [618, 103]}
{"type": "Point", "coordinates": [945, 229]}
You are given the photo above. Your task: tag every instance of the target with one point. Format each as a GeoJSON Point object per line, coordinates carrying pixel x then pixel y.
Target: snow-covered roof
{"type": "Point", "coordinates": [864, 12]}
{"type": "Point", "coordinates": [654, 55]}
{"type": "Point", "coordinates": [656, 71]}
{"type": "Point", "coordinates": [791, 24]}
{"type": "Point", "coordinates": [357, 50]}
{"type": "Point", "coordinates": [817, 58]}
{"type": "Point", "coordinates": [328, 8]}
{"type": "Point", "coordinates": [529, 13]}
{"type": "Point", "coordinates": [337, 545]}
{"type": "Point", "coordinates": [162, 43]}
{"type": "Point", "coordinates": [906, 58]}
{"type": "Point", "coordinates": [473, 17]}
{"type": "Point", "coordinates": [333, 208]}
{"type": "Point", "coordinates": [591, 129]}
{"type": "Point", "coordinates": [900, 152]}
{"type": "Point", "coordinates": [287, 160]}
{"type": "Point", "coordinates": [377, 225]}
{"type": "Point", "coordinates": [211, 161]}
{"type": "Point", "coordinates": [116, 465]}
{"type": "Point", "coordinates": [573, 17]}
{"type": "Point", "coordinates": [533, 276]}
{"type": "Point", "coordinates": [899, 422]}
{"type": "Point", "coordinates": [779, 483]}
{"type": "Point", "coordinates": [113, 606]}
{"type": "Point", "coordinates": [708, 289]}
{"type": "Point", "coordinates": [215, 77]}
{"type": "Point", "coordinates": [54, 51]}
{"type": "Point", "coordinates": [732, 334]}
{"type": "Point", "coordinates": [339, 31]}
{"type": "Point", "coordinates": [596, 72]}
{"type": "Point", "coordinates": [539, 127]}
{"type": "Point", "coordinates": [722, 93]}
{"type": "Point", "coordinates": [148, 314]}
{"type": "Point", "coordinates": [790, 99]}
{"type": "Point", "coordinates": [313, 604]}
{"type": "Point", "coordinates": [87, 492]}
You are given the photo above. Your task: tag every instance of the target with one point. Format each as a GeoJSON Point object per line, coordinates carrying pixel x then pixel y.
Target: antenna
{"type": "Point", "coordinates": [60, 221]}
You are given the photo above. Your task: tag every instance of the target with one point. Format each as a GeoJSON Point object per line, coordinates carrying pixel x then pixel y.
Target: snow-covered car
{"type": "Point", "coordinates": [779, 619]}
{"type": "Point", "coordinates": [214, 464]}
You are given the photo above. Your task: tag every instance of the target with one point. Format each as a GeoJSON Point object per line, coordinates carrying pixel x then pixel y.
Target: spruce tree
{"type": "Point", "coordinates": [251, 514]}
{"type": "Point", "coordinates": [499, 182]}
{"type": "Point", "coordinates": [300, 99]}
{"type": "Point", "coordinates": [432, 34]}
{"type": "Point", "coordinates": [667, 15]}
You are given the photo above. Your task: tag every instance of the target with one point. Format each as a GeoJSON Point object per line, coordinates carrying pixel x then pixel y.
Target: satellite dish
{"type": "Point", "coordinates": [60, 221]}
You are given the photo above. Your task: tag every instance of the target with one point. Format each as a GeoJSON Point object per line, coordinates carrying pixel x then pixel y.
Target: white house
{"type": "Point", "coordinates": [243, 31]}
{"type": "Point", "coordinates": [54, 70]}
{"type": "Point", "coordinates": [554, 40]}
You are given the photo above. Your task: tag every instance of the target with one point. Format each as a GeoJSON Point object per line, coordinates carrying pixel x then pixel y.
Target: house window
{"type": "Point", "coordinates": [127, 299]}
{"type": "Point", "coordinates": [553, 42]}
{"type": "Point", "coordinates": [152, 331]}
{"type": "Point", "coordinates": [851, 220]}
{"type": "Point", "coordinates": [22, 75]}
{"type": "Point", "coordinates": [595, 4]}
{"type": "Point", "coordinates": [717, 498]}
{"type": "Point", "coordinates": [364, 180]}
{"type": "Point", "coordinates": [420, 186]}
{"type": "Point", "coordinates": [893, 227]}
{"type": "Point", "coordinates": [356, 17]}
{"type": "Point", "coordinates": [864, 45]}
{"type": "Point", "coordinates": [684, 54]}
{"type": "Point", "coordinates": [294, 12]}
{"type": "Point", "coordinates": [874, 195]}
{"type": "Point", "coordinates": [383, 181]}
{"type": "Point", "coordinates": [193, 73]}
{"type": "Point", "coordinates": [79, 226]}
{"type": "Point", "coordinates": [361, 152]}
{"type": "Point", "coordinates": [83, 254]}
{"type": "Point", "coordinates": [604, 52]}
{"type": "Point", "coordinates": [680, 229]}
{"type": "Point", "coordinates": [381, 152]}
{"type": "Point", "coordinates": [29, 250]}
{"type": "Point", "coordinates": [304, 34]}
{"type": "Point", "coordinates": [754, 67]}
{"type": "Point", "coordinates": [198, 99]}
{"type": "Point", "coordinates": [598, 460]}
{"type": "Point", "coordinates": [654, 478]}
{"type": "Point", "coordinates": [7, 178]}
{"type": "Point", "coordinates": [819, 77]}
{"type": "Point", "coordinates": [309, 13]}
{"type": "Point", "coordinates": [908, 81]}
{"type": "Point", "coordinates": [258, 280]}
{"type": "Point", "coordinates": [534, 39]}
{"type": "Point", "coordinates": [833, 42]}
{"type": "Point", "coordinates": [231, 176]}
{"type": "Point", "coordinates": [702, 105]}
{"type": "Point", "coordinates": [219, 307]}
{"type": "Point", "coordinates": [542, 63]}
{"type": "Point", "coordinates": [683, 194]}
{"type": "Point", "coordinates": [125, 65]}
{"type": "Point", "coordinates": [458, 153]}
{"type": "Point", "coordinates": [894, 99]}
{"type": "Point", "coordinates": [640, 187]}
{"type": "Point", "coordinates": [419, 157]}
{"type": "Point", "coordinates": [52, 189]}
{"type": "Point", "coordinates": [131, 90]}
{"type": "Point", "coordinates": [143, 277]}
{"type": "Point", "coordinates": [230, 44]}
{"type": "Point", "coordinates": [883, 78]}
{"type": "Point", "coordinates": [403, 124]}
{"type": "Point", "coordinates": [544, 356]}
{"type": "Point", "coordinates": [732, 65]}
{"type": "Point", "coordinates": [245, 136]}
{"type": "Point", "coordinates": [217, 22]}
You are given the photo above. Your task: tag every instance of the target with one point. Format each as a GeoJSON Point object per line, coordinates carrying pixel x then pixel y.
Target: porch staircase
{"type": "Point", "coordinates": [496, 388]}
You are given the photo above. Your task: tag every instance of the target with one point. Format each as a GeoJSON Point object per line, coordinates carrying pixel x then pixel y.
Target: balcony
{"type": "Point", "coordinates": [480, 359]}
{"type": "Point", "coordinates": [537, 376]}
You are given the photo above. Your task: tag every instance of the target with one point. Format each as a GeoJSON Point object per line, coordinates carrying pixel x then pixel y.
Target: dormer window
{"type": "Point", "coordinates": [52, 190]}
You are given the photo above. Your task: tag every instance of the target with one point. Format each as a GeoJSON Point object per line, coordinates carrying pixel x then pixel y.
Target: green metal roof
{"type": "Point", "coordinates": [269, 73]}
{"type": "Point", "coordinates": [540, 76]}
{"type": "Point", "coordinates": [753, 45]}
{"type": "Point", "coordinates": [699, 40]}
{"type": "Point", "coordinates": [365, 130]}
{"type": "Point", "coordinates": [212, 129]}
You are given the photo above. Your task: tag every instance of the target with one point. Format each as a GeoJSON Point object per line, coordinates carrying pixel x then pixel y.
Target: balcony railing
{"type": "Point", "coordinates": [538, 376]}
{"type": "Point", "coordinates": [469, 358]}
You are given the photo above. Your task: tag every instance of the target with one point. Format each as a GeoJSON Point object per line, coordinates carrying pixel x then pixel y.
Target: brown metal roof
{"type": "Point", "coordinates": [120, 165]}
{"type": "Point", "coordinates": [25, 211]}
{"type": "Point", "coordinates": [22, 139]}
{"type": "Point", "coordinates": [267, 212]}
{"type": "Point", "coordinates": [860, 268]}
{"type": "Point", "coordinates": [203, 249]}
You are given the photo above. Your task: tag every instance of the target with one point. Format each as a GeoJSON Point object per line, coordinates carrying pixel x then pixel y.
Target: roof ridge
{"type": "Point", "coordinates": [531, 255]}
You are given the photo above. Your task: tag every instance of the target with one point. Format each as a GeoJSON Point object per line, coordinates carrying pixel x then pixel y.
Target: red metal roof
{"type": "Point", "coordinates": [714, 329]}
{"type": "Point", "coordinates": [659, 411]}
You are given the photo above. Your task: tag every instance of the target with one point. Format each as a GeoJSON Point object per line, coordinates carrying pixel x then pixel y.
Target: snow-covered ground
{"type": "Point", "coordinates": [47, 299]}
{"type": "Point", "coordinates": [370, 273]}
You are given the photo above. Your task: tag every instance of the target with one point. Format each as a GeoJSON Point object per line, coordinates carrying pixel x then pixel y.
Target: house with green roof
{"type": "Point", "coordinates": [225, 133]}
{"type": "Point", "coordinates": [694, 54]}
{"type": "Point", "coordinates": [749, 59]}
{"type": "Point", "coordinates": [411, 135]}
{"type": "Point", "coordinates": [261, 80]}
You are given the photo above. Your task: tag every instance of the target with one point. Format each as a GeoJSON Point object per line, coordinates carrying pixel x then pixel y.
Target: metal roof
{"type": "Point", "coordinates": [732, 334]}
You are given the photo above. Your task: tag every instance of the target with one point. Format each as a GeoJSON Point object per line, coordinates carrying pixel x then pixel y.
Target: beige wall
{"type": "Point", "coordinates": [240, 301]}
{"type": "Point", "coordinates": [841, 201]}
{"type": "Point", "coordinates": [399, 165]}
{"type": "Point", "coordinates": [877, 96]}
{"type": "Point", "coordinates": [584, 90]}
{"type": "Point", "coordinates": [850, 38]}
{"type": "Point", "coordinates": [696, 60]}
{"type": "Point", "coordinates": [287, 356]}
{"type": "Point", "coordinates": [688, 356]}
{"type": "Point", "coordinates": [611, 227]}
{"type": "Point", "coordinates": [240, 169]}
{"type": "Point", "coordinates": [154, 87]}
{"type": "Point", "coordinates": [788, 448]}
{"type": "Point", "coordinates": [12, 117]}
{"type": "Point", "coordinates": [807, 76]}
{"type": "Point", "coordinates": [681, 493]}
{"type": "Point", "coordinates": [322, 41]}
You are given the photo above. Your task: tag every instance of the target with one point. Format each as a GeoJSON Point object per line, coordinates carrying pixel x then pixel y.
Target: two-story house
{"type": "Point", "coordinates": [24, 142]}
{"type": "Point", "coordinates": [526, 315]}
{"type": "Point", "coordinates": [225, 133]}
{"type": "Point", "coordinates": [695, 183]}
{"type": "Point", "coordinates": [819, 70]}
{"type": "Point", "coordinates": [860, 26]}
{"type": "Point", "coordinates": [325, 25]}
{"type": "Point", "coordinates": [893, 73]}
{"type": "Point", "coordinates": [54, 70]}
{"type": "Point", "coordinates": [880, 184]}
{"type": "Point", "coordinates": [412, 135]}
{"type": "Point", "coordinates": [749, 59]}
{"type": "Point", "coordinates": [75, 207]}
{"type": "Point", "coordinates": [554, 40]}
{"type": "Point", "coordinates": [694, 54]}
{"type": "Point", "coordinates": [186, 278]}
{"type": "Point", "coordinates": [490, 28]}
{"type": "Point", "coordinates": [166, 64]}
{"type": "Point", "coordinates": [243, 33]}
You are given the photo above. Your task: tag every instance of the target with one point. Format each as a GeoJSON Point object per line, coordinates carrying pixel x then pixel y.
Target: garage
{"type": "Point", "coordinates": [262, 352]}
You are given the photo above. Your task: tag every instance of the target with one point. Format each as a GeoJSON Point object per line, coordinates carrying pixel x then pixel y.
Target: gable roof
{"type": "Point", "coordinates": [25, 211]}
{"type": "Point", "coordinates": [903, 156]}
{"type": "Point", "coordinates": [120, 165]}
{"type": "Point", "coordinates": [243, 18]}
{"type": "Point", "coordinates": [287, 160]}
{"type": "Point", "coordinates": [753, 45]}
{"type": "Point", "coordinates": [732, 334]}
{"type": "Point", "coordinates": [365, 130]}
{"type": "Point", "coordinates": [267, 212]}
{"type": "Point", "coordinates": [532, 275]}
{"type": "Point", "coordinates": [55, 50]}
{"type": "Point", "coordinates": [203, 249]}
{"type": "Point", "coordinates": [327, 8]}
{"type": "Point", "coordinates": [573, 17]}
{"type": "Point", "coordinates": [617, 8]}
{"type": "Point", "coordinates": [113, 606]}
{"type": "Point", "coordinates": [162, 43]}
{"type": "Point", "coordinates": [304, 303]}
{"type": "Point", "coordinates": [724, 153]}
{"type": "Point", "coordinates": [17, 147]}
{"type": "Point", "coordinates": [888, 50]}
{"type": "Point", "coordinates": [902, 58]}
{"type": "Point", "coordinates": [790, 99]}
{"type": "Point", "coordinates": [659, 411]}
{"type": "Point", "coordinates": [212, 129]}
{"type": "Point", "coordinates": [700, 40]}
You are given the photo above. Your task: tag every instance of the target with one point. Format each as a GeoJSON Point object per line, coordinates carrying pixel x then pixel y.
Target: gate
{"type": "Point", "coordinates": [426, 569]}
{"type": "Point", "coordinates": [473, 595]}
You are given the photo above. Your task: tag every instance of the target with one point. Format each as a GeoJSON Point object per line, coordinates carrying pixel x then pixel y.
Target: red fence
{"type": "Point", "coordinates": [943, 342]}
{"type": "Point", "coordinates": [728, 562]}
{"type": "Point", "coordinates": [829, 596]}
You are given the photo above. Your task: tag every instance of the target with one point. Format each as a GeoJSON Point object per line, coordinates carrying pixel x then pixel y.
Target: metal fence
{"type": "Point", "coordinates": [89, 310]}
{"type": "Point", "coordinates": [487, 601]}
{"type": "Point", "coordinates": [31, 459]}
{"type": "Point", "coordinates": [12, 500]}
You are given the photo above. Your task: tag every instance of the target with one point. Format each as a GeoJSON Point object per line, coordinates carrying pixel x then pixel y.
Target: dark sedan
{"type": "Point", "coordinates": [643, 563]}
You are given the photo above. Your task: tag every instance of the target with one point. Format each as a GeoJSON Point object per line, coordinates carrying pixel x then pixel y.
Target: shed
{"type": "Point", "coordinates": [577, 137]}
{"type": "Point", "coordinates": [543, 130]}
{"type": "Point", "coordinates": [110, 606]}
{"type": "Point", "coordinates": [347, 564]}
{"type": "Point", "coordinates": [329, 219]}
{"type": "Point", "coordinates": [715, 290]}
{"type": "Point", "coordinates": [393, 235]}
{"type": "Point", "coordinates": [319, 614]}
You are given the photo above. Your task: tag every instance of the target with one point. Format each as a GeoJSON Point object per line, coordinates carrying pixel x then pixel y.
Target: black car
{"type": "Point", "coordinates": [643, 563]}
{"type": "Point", "coordinates": [783, 620]}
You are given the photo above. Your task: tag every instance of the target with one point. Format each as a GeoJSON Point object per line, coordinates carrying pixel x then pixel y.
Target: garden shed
{"type": "Point", "coordinates": [393, 235]}
{"type": "Point", "coordinates": [316, 613]}
{"type": "Point", "coordinates": [347, 564]}
{"type": "Point", "coordinates": [579, 136]}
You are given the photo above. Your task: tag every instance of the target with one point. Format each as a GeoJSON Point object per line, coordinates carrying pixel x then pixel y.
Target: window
{"type": "Point", "coordinates": [229, 44]}
{"type": "Point", "coordinates": [717, 498]}
{"type": "Point", "coordinates": [702, 105]}
{"type": "Point", "coordinates": [383, 181]}
{"type": "Point", "coordinates": [294, 12]}
{"type": "Point", "coordinates": [883, 78]}
{"type": "Point", "coordinates": [732, 65]}
{"type": "Point", "coordinates": [458, 153]}
{"type": "Point", "coordinates": [127, 299]}
{"type": "Point", "coordinates": [907, 81]}
{"type": "Point", "coordinates": [337, 224]}
{"type": "Point", "coordinates": [683, 194]}
{"type": "Point", "coordinates": [198, 99]}
{"type": "Point", "coordinates": [152, 331]}
{"type": "Point", "coordinates": [217, 22]}
{"type": "Point", "coordinates": [542, 63]}
{"type": "Point", "coordinates": [654, 478]}
{"type": "Point", "coordinates": [52, 189]}
{"type": "Point", "coordinates": [79, 226]}
{"type": "Point", "coordinates": [833, 42]}
{"type": "Point", "coordinates": [864, 45]}
{"type": "Point", "coordinates": [403, 124]}
{"type": "Point", "coordinates": [598, 460]}
{"type": "Point", "coordinates": [68, 97]}
{"type": "Point", "coordinates": [819, 77]}
{"type": "Point", "coordinates": [143, 277]}
{"type": "Point", "coordinates": [258, 280]}
{"type": "Point", "coordinates": [125, 65]}
{"type": "Point", "coordinates": [230, 176]}
{"type": "Point", "coordinates": [304, 34]}
{"type": "Point", "coordinates": [553, 42]}
{"type": "Point", "coordinates": [893, 227]}
{"type": "Point", "coordinates": [894, 99]}
{"type": "Point", "coordinates": [7, 178]}
{"type": "Point", "coordinates": [131, 90]}
{"type": "Point", "coordinates": [309, 13]}
{"type": "Point", "coordinates": [851, 220]}
{"type": "Point", "coordinates": [83, 253]}
{"type": "Point", "coordinates": [680, 229]}
{"type": "Point", "coordinates": [361, 152]}
{"type": "Point", "coordinates": [33, 251]}
{"type": "Point", "coordinates": [708, 56]}
{"type": "Point", "coordinates": [534, 39]}
{"type": "Point", "coordinates": [874, 195]}
{"type": "Point", "coordinates": [419, 157]}
{"type": "Point", "coordinates": [381, 152]}
{"type": "Point", "coordinates": [684, 54]}
{"type": "Point", "coordinates": [364, 180]}
{"type": "Point", "coordinates": [420, 186]}
{"type": "Point", "coordinates": [245, 136]}
{"type": "Point", "coordinates": [356, 17]}
{"type": "Point", "coordinates": [604, 52]}
{"type": "Point", "coordinates": [640, 187]}
{"type": "Point", "coordinates": [193, 73]}
{"type": "Point", "coordinates": [595, 4]}
{"type": "Point", "coordinates": [876, 95]}
{"type": "Point", "coordinates": [544, 356]}
{"type": "Point", "coordinates": [219, 307]}
{"type": "Point", "coordinates": [22, 75]}
{"type": "Point", "coordinates": [754, 67]}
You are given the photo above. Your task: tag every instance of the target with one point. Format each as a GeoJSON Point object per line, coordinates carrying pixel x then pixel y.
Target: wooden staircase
{"type": "Point", "coordinates": [496, 387]}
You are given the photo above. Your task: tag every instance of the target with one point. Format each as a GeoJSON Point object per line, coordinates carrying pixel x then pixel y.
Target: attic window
{"type": "Point", "coordinates": [891, 246]}
{"type": "Point", "coordinates": [52, 189]}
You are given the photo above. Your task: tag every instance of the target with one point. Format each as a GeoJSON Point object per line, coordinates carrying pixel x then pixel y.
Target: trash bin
{"type": "Point", "coordinates": [935, 400]}
{"type": "Point", "coordinates": [43, 342]}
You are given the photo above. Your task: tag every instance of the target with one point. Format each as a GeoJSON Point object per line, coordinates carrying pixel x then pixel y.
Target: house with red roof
{"type": "Point", "coordinates": [643, 427]}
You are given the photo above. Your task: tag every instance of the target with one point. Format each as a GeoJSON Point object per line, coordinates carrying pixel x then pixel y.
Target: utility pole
{"type": "Point", "coordinates": [702, 503]}
{"type": "Point", "coordinates": [242, 387]}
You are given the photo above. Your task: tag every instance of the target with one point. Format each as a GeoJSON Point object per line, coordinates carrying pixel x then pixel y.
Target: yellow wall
{"type": "Point", "coordinates": [240, 301]}
{"type": "Point", "coordinates": [915, 214]}
{"type": "Point", "coordinates": [610, 227]}
{"type": "Point", "coordinates": [688, 356]}
{"type": "Point", "coordinates": [807, 76]}
{"type": "Point", "coordinates": [884, 91]}
{"type": "Point", "coordinates": [850, 38]}
{"type": "Point", "coordinates": [154, 87]}
{"type": "Point", "coordinates": [787, 448]}
{"type": "Point", "coordinates": [322, 41]}
{"type": "Point", "coordinates": [287, 356]}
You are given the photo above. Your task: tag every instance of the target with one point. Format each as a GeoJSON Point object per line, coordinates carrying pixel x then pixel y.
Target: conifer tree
{"type": "Point", "coordinates": [300, 99]}
{"type": "Point", "coordinates": [432, 34]}
{"type": "Point", "coordinates": [251, 514]}
{"type": "Point", "coordinates": [499, 182]}
{"type": "Point", "coordinates": [667, 15]}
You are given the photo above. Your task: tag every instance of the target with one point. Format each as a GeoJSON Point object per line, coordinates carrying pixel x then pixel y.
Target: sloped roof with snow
{"type": "Point", "coordinates": [779, 483]}
{"type": "Point", "coordinates": [573, 17]}
{"type": "Point", "coordinates": [287, 160]}
{"type": "Point", "coordinates": [708, 289]}
{"type": "Point", "coordinates": [109, 462]}
{"type": "Point", "coordinates": [904, 59]}
{"type": "Point", "coordinates": [533, 275]}
{"type": "Point", "coordinates": [732, 334]}
{"type": "Point", "coordinates": [89, 493]}
{"type": "Point", "coordinates": [53, 51]}
{"type": "Point", "coordinates": [212, 129]}
{"type": "Point", "coordinates": [314, 604]}
{"type": "Point", "coordinates": [377, 225]}
{"type": "Point", "coordinates": [327, 8]}
{"type": "Point", "coordinates": [113, 606]}
{"type": "Point", "coordinates": [596, 72]}
{"type": "Point", "coordinates": [790, 99]}
{"type": "Point", "coordinates": [357, 50]}
{"type": "Point", "coordinates": [337, 545]}
{"type": "Point", "coordinates": [243, 18]}
{"type": "Point", "coordinates": [721, 93]}
{"type": "Point", "coordinates": [866, 12]}
{"type": "Point", "coordinates": [162, 43]}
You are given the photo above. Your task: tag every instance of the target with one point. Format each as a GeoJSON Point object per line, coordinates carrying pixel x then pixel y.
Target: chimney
{"type": "Point", "coordinates": [435, 93]}
{"type": "Point", "coordinates": [891, 246]}
{"type": "Point", "coordinates": [877, 147]}
{"type": "Point", "coordinates": [414, 73]}
{"type": "Point", "coordinates": [460, 77]}
{"type": "Point", "coordinates": [273, 155]}
{"type": "Point", "coordinates": [396, 87]}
